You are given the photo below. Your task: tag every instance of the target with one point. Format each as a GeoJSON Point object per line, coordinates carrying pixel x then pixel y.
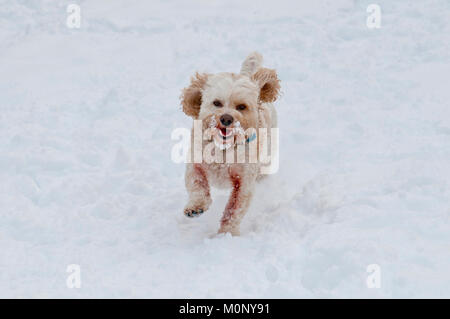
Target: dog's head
{"type": "Point", "coordinates": [229, 100]}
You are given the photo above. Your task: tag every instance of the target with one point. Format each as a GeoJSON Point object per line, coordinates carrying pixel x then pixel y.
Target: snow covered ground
{"type": "Point", "coordinates": [86, 178]}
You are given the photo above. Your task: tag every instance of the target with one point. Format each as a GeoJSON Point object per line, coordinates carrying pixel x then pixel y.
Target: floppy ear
{"type": "Point", "coordinates": [268, 83]}
{"type": "Point", "coordinates": [191, 97]}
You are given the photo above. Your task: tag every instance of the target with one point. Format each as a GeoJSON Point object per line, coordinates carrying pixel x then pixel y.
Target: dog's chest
{"type": "Point", "coordinates": [219, 174]}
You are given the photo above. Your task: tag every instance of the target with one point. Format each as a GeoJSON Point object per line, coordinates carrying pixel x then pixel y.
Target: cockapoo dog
{"type": "Point", "coordinates": [233, 107]}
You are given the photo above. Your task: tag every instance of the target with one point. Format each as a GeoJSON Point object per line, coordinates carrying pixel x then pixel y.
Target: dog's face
{"type": "Point", "coordinates": [229, 101]}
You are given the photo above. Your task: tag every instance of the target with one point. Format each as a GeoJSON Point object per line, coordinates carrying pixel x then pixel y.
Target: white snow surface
{"type": "Point", "coordinates": [86, 176]}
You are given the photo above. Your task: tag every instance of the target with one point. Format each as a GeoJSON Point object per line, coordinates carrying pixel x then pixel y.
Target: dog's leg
{"type": "Point", "coordinates": [198, 188]}
{"type": "Point", "coordinates": [241, 195]}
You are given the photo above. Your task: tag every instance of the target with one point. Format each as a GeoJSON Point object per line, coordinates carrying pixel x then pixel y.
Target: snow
{"type": "Point", "coordinates": [86, 175]}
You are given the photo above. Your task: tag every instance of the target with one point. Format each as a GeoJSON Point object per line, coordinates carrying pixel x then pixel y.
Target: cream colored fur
{"type": "Point", "coordinates": [256, 88]}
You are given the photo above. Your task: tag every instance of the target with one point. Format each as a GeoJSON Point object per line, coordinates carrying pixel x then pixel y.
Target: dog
{"type": "Point", "coordinates": [234, 107]}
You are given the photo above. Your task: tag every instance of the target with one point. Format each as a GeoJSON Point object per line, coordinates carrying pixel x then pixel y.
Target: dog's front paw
{"type": "Point", "coordinates": [196, 207]}
{"type": "Point", "coordinates": [193, 212]}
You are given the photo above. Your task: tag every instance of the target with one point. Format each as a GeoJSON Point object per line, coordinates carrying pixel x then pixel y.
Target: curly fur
{"type": "Point", "coordinates": [191, 97]}
{"type": "Point", "coordinates": [256, 88]}
{"type": "Point", "coordinates": [268, 82]}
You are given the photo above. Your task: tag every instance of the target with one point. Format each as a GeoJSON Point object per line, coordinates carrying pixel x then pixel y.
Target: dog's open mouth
{"type": "Point", "coordinates": [225, 137]}
{"type": "Point", "coordinates": [225, 133]}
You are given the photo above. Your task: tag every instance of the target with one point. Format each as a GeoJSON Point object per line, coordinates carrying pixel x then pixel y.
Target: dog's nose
{"type": "Point", "coordinates": [226, 119]}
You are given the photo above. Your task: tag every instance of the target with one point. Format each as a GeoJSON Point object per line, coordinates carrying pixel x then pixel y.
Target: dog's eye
{"type": "Point", "coordinates": [241, 107]}
{"type": "Point", "coordinates": [217, 103]}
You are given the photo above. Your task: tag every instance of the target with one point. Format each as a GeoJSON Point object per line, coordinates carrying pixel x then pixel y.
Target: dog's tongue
{"type": "Point", "coordinates": [224, 132]}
